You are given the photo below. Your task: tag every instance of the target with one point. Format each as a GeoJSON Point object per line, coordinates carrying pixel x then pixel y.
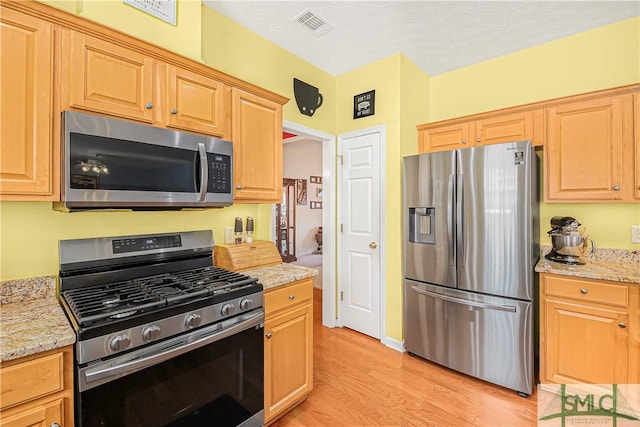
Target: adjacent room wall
{"type": "Point", "coordinates": [303, 159]}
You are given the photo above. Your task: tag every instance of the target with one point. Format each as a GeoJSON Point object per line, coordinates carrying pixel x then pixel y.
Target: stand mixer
{"type": "Point", "coordinates": [568, 240]}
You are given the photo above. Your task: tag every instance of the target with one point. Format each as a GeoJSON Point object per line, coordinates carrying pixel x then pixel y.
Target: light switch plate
{"type": "Point", "coordinates": [635, 234]}
{"type": "Point", "coordinates": [229, 238]}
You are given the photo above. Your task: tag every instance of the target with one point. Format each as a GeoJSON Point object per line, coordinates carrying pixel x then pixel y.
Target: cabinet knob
{"type": "Point", "coordinates": [149, 106]}
{"type": "Point", "coordinates": [583, 291]}
{"type": "Point", "coordinates": [174, 111]}
{"type": "Point", "coordinates": [464, 141]}
{"type": "Point", "coordinates": [55, 425]}
{"type": "Point", "coordinates": [238, 187]}
{"type": "Point", "coordinates": [268, 335]}
{"type": "Point", "coordinates": [292, 297]}
{"type": "Point", "coordinates": [622, 325]}
{"type": "Point", "coordinates": [616, 188]}
{"type": "Point", "coordinates": [478, 140]}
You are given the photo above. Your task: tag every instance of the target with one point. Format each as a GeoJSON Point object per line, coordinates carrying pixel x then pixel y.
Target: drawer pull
{"type": "Point", "coordinates": [292, 296]}
{"type": "Point", "coordinates": [583, 291]}
{"type": "Point", "coordinates": [268, 335]}
{"type": "Point", "coordinates": [622, 325]}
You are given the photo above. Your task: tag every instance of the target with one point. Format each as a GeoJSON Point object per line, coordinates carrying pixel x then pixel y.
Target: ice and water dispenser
{"type": "Point", "coordinates": [421, 225]}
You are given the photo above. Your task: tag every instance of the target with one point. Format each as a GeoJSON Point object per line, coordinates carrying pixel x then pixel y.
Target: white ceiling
{"type": "Point", "coordinates": [439, 36]}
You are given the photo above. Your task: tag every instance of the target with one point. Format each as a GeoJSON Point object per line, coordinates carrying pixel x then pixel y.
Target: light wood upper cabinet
{"type": "Point", "coordinates": [107, 78]}
{"type": "Point", "coordinates": [444, 138]}
{"type": "Point", "coordinates": [589, 331]}
{"type": "Point", "coordinates": [506, 128]}
{"type": "Point", "coordinates": [257, 148]}
{"type": "Point", "coordinates": [483, 130]}
{"type": "Point", "coordinates": [583, 155]}
{"type": "Point", "coordinates": [195, 102]}
{"type": "Point", "coordinates": [28, 165]}
{"type": "Point", "coordinates": [288, 347]}
{"type": "Point", "coordinates": [37, 390]}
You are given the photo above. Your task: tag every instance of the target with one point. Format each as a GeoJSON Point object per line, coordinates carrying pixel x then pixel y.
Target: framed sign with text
{"type": "Point", "coordinates": [162, 9]}
{"type": "Point", "coordinates": [364, 104]}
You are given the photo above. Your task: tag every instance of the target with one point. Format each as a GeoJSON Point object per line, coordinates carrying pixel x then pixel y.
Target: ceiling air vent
{"type": "Point", "coordinates": [312, 22]}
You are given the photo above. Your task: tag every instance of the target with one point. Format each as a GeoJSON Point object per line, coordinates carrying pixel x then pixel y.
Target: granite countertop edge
{"type": "Point", "coordinates": [615, 265]}
{"type": "Point", "coordinates": [275, 276]}
{"type": "Point", "coordinates": [23, 334]}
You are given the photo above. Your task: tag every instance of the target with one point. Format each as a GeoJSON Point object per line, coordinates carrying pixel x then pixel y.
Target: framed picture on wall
{"type": "Point", "coordinates": [301, 192]}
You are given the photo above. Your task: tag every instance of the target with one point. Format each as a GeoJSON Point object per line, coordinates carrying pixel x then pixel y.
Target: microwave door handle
{"type": "Point", "coordinates": [204, 172]}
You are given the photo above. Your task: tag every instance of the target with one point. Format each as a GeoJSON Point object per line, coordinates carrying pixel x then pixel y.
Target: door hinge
{"type": "Point", "coordinates": [341, 295]}
{"type": "Point", "coordinates": [342, 228]}
{"type": "Point", "coordinates": [341, 157]}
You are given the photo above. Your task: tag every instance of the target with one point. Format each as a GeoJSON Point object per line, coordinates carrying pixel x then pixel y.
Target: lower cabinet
{"type": "Point", "coordinates": [38, 390]}
{"type": "Point", "coordinates": [288, 347]}
{"type": "Point", "coordinates": [589, 331]}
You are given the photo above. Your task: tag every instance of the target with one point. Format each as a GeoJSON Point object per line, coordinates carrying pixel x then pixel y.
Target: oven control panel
{"type": "Point", "coordinates": [145, 243]}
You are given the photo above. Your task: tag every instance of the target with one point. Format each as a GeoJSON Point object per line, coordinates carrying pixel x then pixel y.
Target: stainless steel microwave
{"type": "Point", "coordinates": [110, 163]}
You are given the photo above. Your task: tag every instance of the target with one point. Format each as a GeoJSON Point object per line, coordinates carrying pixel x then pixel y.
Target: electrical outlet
{"type": "Point", "coordinates": [229, 237]}
{"type": "Point", "coordinates": [635, 234]}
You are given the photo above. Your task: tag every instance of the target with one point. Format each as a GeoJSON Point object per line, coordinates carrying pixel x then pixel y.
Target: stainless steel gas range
{"type": "Point", "coordinates": [163, 337]}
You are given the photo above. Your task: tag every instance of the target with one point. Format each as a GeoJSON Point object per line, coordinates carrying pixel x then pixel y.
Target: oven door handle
{"type": "Point", "coordinates": [182, 345]}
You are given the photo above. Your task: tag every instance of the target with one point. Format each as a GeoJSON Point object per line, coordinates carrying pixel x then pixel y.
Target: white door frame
{"type": "Point", "coordinates": [382, 226]}
{"type": "Point", "coordinates": [329, 280]}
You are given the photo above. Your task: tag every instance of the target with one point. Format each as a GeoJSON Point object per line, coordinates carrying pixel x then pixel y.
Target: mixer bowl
{"type": "Point", "coordinates": [571, 245]}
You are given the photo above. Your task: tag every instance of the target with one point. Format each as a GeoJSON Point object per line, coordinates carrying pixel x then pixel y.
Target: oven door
{"type": "Point", "coordinates": [210, 377]}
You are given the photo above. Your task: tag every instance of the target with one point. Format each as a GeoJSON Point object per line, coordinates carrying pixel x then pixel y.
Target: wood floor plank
{"type": "Point", "coordinates": [359, 382]}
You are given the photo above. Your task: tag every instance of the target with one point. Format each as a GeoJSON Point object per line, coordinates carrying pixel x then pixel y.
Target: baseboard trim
{"type": "Point", "coordinates": [393, 343]}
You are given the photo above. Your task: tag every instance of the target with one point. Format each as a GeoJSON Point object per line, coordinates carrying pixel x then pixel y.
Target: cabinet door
{"type": "Point", "coordinates": [108, 78]}
{"type": "Point", "coordinates": [41, 415]}
{"type": "Point", "coordinates": [288, 348]}
{"type": "Point", "coordinates": [584, 344]}
{"type": "Point", "coordinates": [257, 148]}
{"type": "Point", "coordinates": [636, 169]}
{"type": "Point", "coordinates": [195, 102]}
{"type": "Point", "coordinates": [444, 138]}
{"type": "Point", "coordinates": [26, 106]}
{"type": "Point", "coordinates": [584, 151]}
{"type": "Point", "coordinates": [508, 128]}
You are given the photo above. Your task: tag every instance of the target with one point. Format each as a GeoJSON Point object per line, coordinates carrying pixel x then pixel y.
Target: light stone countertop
{"type": "Point", "coordinates": [617, 265]}
{"type": "Point", "coordinates": [31, 319]}
{"type": "Point", "coordinates": [278, 275]}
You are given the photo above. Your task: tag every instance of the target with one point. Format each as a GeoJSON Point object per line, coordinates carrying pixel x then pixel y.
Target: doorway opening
{"type": "Point", "coordinates": [310, 160]}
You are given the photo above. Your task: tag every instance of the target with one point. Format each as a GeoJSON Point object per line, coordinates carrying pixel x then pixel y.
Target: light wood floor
{"type": "Point", "coordinates": [360, 382]}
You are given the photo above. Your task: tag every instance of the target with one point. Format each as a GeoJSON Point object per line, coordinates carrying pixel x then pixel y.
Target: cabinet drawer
{"type": "Point", "coordinates": [31, 379]}
{"type": "Point", "coordinates": [288, 296]}
{"type": "Point", "coordinates": [587, 290]}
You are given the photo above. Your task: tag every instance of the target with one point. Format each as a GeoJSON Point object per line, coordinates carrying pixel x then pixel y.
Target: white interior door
{"type": "Point", "coordinates": [360, 249]}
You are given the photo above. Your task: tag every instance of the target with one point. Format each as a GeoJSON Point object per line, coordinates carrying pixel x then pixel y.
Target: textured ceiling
{"type": "Point", "coordinates": [439, 36]}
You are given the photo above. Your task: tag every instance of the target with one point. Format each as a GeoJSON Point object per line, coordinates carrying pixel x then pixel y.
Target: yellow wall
{"type": "Point", "coordinates": [401, 102]}
{"type": "Point", "coordinates": [233, 49]}
{"type": "Point", "coordinates": [183, 38]}
{"type": "Point", "coordinates": [598, 59]}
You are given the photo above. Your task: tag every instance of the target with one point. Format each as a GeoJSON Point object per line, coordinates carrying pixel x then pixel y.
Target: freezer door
{"type": "Point", "coordinates": [486, 337]}
{"type": "Point", "coordinates": [497, 212]}
{"type": "Point", "coordinates": [428, 208]}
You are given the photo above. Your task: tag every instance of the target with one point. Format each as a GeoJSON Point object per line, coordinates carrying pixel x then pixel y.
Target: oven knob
{"type": "Point", "coordinates": [119, 342]}
{"type": "Point", "coordinates": [151, 333]}
{"type": "Point", "coordinates": [192, 320]}
{"type": "Point", "coordinates": [227, 309]}
{"type": "Point", "coordinates": [246, 304]}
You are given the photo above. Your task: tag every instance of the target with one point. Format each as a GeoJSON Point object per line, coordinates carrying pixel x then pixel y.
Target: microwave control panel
{"type": "Point", "coordinates": [219, 173]}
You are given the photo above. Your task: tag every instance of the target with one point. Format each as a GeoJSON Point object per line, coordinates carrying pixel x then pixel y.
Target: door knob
{"type": "Point", "coordinates": [373, 245]}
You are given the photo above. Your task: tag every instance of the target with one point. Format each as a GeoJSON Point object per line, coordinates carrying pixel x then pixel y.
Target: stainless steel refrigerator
{"type": "Point", "coordinates": [471, 241]}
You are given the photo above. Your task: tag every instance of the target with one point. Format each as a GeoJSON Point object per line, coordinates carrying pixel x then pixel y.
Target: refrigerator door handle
{"type": "Point", "coordinates": [450, 219]}
{"type": "Point", "coordinates": [460, 220]}
{"type": "Point", "coordinates": [465, 302]}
